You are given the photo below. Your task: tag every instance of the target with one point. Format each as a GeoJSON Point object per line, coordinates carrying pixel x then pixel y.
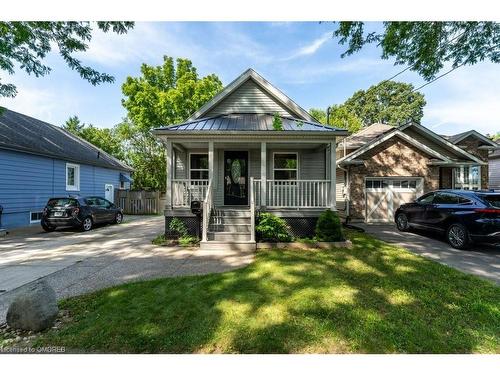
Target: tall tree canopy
{"type": "Point", "coordinates": [387, 102]}
{"type": "Point", "coordinates": [426, 46]}
{"type": "Point", "coordinates": [340, 117]}
{"type": "Point", "coordinates": [162, 95]}
{"type": "Point", "coordinates": [28, 43]}
{"type": "Point", "coordinates": [106, 139]}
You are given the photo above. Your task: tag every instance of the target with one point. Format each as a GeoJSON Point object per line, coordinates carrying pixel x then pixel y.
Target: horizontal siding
{"type": "Point", "coordinates": [248, 98]}
{"type": "Point", "coordinates": [494, 173]}
{"type": "Point", "coordinates": [27, 182]}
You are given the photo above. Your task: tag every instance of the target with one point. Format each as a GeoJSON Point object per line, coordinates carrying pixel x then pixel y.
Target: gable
{"type": "Point", "coordinates": [251, 93]}
{"type": "Point", "coordinates": [434, 145]}
{"type": "Point", "coordinates": [248, 98]}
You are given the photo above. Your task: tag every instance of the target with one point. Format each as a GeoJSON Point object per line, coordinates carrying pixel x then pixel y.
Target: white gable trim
{"type": "Point", "coordinates": [275, 93]}
{"type": "Point", "coordinates": [389, 135]}
{"type": "Point", "coordinates": [477, 135]}
{"type": "Point", "coordinates": [442, 140]}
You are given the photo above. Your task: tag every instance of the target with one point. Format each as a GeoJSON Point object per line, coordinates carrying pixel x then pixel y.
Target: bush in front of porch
{"type": "Point", "coordinates": [271, 228]}
{"type": "Point", "coordinates": [329, 227]}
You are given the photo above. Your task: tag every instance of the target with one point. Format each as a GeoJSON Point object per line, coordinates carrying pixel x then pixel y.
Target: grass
{"type": "Point", "coordinates": [373, 298]}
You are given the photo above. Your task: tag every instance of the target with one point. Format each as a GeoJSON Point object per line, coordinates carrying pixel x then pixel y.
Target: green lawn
{"type": "Point", "coordinates": [374, 298]}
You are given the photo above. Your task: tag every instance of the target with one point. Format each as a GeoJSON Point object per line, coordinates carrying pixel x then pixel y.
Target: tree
{"type": "Point", "coordinates": [426, 46]}
{"type": "Point", "coordinates": [106, 139]}
{"type": "Point", "coordinates": [340, 117]}
{"type": "Point", "coordinates": [161, 96]}
{"type": "Point", "coordinates": [28, 43]}
{"type": "Point", "coordinates": [494, 137]}
{"type": "Point", "coordinates": [318, 114]}
{"type": "Point", "coordinates": [387, 102]}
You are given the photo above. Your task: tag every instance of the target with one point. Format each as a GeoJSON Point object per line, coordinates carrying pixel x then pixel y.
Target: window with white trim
{"type": "Point", "coordinates": [467, 177]}
{"type": "Point", "coordinates": [285, 166]}
{"type": "Point", "coordinates": [35, 216]}
{"type": "Point", "coordinates": [72, 177]}
{"type": "Point", "coordinates": [198, 166]}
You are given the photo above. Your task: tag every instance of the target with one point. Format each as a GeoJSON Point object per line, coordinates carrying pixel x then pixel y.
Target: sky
{"type": "Point", "coordinates": [301, 59]}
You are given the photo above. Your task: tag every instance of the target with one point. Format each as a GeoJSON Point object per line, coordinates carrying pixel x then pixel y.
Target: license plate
{"type": "Point", "coordinates": [58, 213]}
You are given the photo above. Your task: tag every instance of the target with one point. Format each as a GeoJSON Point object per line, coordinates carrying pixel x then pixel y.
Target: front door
{"type": "Point", "coordinates": [235, 178]}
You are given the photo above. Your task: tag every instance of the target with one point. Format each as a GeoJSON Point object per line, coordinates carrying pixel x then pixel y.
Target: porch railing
{"type": "Point", "coordinates": [294, 193]}
{"type": "Point", "coordinates": [184, 191]}
{"type": "Point", "coordinates": [252, 210]}
{"type": "Point", "coordinates": [207, 210]}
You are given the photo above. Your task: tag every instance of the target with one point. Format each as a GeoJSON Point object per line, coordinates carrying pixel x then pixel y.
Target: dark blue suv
{"type": "Point", "coordinates": [463, 216]}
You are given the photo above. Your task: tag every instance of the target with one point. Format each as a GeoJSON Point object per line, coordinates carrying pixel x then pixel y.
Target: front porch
{"type": "Point", "coordinates": [294, 180]}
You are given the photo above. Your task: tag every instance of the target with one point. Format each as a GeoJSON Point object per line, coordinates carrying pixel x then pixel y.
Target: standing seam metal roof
{"type": "Point", "coordinates": [248, 122]}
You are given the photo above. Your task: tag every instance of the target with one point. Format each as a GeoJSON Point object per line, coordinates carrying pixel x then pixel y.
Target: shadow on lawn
{"type": "Point", "coordinates": [373, 298]}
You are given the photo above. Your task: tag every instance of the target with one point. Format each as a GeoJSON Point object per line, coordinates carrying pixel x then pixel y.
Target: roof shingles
{"type": "Point", "coordinates": [26, 134]}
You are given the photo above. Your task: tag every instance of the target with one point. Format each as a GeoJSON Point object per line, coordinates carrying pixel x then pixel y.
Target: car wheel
{"type": "Point", "coordinates": [87, 224]}
{"type": "Point", "coordinates": [402, 222]}
{"type": "Point", "coordinates": [47, 227]}
{"type": "Point", "coordinates": [457, 236]}
{"type": "Point", "coordinates": [118, 218]}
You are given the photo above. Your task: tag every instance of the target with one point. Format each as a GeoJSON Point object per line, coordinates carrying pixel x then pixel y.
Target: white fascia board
{"type": "Point", "coordinates": [392, 133]}
{"type": "Point", "coordinates": [438, 138]}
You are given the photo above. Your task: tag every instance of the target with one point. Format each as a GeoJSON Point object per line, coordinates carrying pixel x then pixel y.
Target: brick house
{"type": "Point", "coordinates": [383, 166]}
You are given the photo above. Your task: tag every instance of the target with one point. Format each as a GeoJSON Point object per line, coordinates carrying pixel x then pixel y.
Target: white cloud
{"type": "Point", "coordinates": [145, 42]}
{"type": "Point", "coordinates": [41, 103]}
{"type": "Point", "coordinates": [311, 48]}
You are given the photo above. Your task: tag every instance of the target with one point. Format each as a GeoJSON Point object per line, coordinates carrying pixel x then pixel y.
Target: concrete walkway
{"type": "Point", "coordinates": [479, 260]}
{"type": "Point", "coordinates": [75, 263]}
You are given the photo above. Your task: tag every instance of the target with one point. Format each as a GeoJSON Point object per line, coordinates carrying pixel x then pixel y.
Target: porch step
{"type": "Point", "coordinates": [222, 220]}
{"type": "Point", "coordinates": [223, 245]}
{"type": "Point", "coordinates": [229, 236]}
{"type": "Point", "coordinates": [230, 227]}
{"type": "Point", "coordinates": [232, 212]}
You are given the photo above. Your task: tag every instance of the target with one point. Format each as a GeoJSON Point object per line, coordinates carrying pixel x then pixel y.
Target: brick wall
{"type": "Point", "coordinates": [395, 157]}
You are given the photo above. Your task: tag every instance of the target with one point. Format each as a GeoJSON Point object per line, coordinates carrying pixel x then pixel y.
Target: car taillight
{"type": "Point", "coordinates": [75, 211]}
{"type": "Point", "coordinates": [487, 210]}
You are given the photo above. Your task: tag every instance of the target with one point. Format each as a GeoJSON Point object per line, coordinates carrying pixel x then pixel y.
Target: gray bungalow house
{"type": "Point", "coordinates": [229, 155]}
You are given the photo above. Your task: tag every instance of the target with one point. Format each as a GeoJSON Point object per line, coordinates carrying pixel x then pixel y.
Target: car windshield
{"type": "Point", "coordinates": [492, 199]}
{"type": "Point", "coordinates": [63, 202]}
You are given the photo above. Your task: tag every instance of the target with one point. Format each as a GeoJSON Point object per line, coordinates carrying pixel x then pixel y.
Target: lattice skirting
{"type": "Point", "coordinates": [190, 221]}
{"type": "Point", "coordinates": [301, 226]}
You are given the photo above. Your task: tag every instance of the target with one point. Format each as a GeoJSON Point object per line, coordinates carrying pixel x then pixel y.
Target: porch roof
{"type": "Point", "coordinates": [249, 122]}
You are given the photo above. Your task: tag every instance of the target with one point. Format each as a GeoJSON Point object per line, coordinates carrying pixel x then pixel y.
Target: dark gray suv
{"type": "Point", "coordinates": [81, 212]}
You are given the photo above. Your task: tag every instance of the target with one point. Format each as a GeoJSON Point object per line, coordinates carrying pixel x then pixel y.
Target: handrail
{"type": "Point", "coordinates": [252, 211]}
{"type": "Point", "coordinates": [207, 210]}
{"type": "Point", "coordinates": [186, 190]}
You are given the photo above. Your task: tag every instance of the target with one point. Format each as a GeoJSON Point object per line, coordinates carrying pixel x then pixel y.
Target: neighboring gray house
{"type": "Point", "coordinates": [494, 169]}
{"type": "Point", "coordinates": [229, 155]}
{"type": "Point", "coordinates": [39, 161]}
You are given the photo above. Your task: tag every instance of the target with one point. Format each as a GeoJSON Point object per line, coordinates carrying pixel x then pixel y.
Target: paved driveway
{"type": "Point", "coordinates": [480, 260]}
{"type": "Point", "coordinates": [75, 263]}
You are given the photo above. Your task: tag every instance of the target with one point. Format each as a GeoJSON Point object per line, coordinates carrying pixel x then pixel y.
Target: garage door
{"type": "Point", "coordinates": [384, 195]}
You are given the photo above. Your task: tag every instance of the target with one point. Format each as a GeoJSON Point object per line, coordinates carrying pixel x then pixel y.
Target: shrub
{"type": "Point", "coordinates": [328, 227]}
{"type": "Point", "coordinates": [188, 240]}
{"type": "Point", "coordinates": [159, 240]}
{"type": "Point", "coordinates": [178, 228]}
{"type": "Point", "coordinates": [272, 229]}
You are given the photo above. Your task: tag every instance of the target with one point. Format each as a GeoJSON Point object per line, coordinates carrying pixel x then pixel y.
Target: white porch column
{"type": "Point", "coordinates": [333, 175]}
{"type": "Point", "coordinates": [170, 172]}
{"type": "Point", "coordinates": [263, 174]}
{"type": "Point", "coordinates": [211, 161]}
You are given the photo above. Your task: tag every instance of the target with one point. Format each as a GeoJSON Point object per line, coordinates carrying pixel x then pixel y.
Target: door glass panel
{"type": "Point", "coordinates": [426, 199]}
{"type": "Point", "coordinates": [235, 178]}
